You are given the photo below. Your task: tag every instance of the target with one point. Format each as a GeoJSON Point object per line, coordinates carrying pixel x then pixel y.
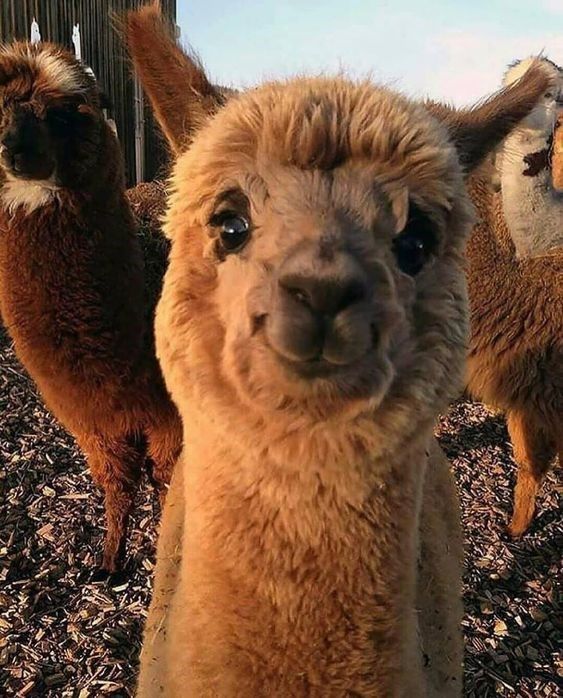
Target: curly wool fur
{"type": "Point", "coordinates": [148, 203]}
{"type": "Point", "coordinates": [73, 298]}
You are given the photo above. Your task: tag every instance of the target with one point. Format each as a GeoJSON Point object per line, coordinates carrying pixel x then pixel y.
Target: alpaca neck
{"type": "Point", "coordinates": [532, 208]}
{"type": "Point", "coordinates": [275, 539]}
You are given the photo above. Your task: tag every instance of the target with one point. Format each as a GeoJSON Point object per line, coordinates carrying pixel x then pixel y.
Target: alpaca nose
{"type": "Point", "coordinates": [323, 309]}
{"type": "Point", "coordinates": [324, 296]}
{"type": "Point", "coordinates": [24, 148]}
{"type": "Point", "coordinates": [12, 149]}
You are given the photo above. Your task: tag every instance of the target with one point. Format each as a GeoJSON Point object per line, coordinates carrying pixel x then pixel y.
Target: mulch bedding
{"type": "Point", "coordinates": [63, 635]}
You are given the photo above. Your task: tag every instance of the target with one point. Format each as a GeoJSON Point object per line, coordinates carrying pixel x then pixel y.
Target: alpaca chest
{"type": "Point", "coordinates": [278, 610]}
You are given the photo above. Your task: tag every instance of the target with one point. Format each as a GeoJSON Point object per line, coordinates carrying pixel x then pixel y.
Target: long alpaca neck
{"type": "Point", "coordinates": [71, 277]}
{"type": "Point", "coordinates": [532, 209]}
{"type": "Point", "coordinates": [307, 568]}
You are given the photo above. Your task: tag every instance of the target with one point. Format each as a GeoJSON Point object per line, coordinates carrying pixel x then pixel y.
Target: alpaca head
{"type": "Point", "coordinates": [50, 115]}
{"type": "Point", "coordinates": [317, 230]}
{"type": "Point", "coordinates": [529, 166]}
{"type": "Point", "coordinates": [543, 117]}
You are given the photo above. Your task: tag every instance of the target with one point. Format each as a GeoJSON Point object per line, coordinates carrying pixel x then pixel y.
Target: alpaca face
{"type": "Point", "coordinates": [319, 231]}
{"type": "Point", "coordinates": [50, 116]}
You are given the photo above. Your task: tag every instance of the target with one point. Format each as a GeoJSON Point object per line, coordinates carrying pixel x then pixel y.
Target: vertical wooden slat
{"type": "Point", "coordinates": [102, 50]}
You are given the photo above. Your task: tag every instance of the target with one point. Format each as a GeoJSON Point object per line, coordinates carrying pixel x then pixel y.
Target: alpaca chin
{"type": "Point", "coordinates": [28, 194]}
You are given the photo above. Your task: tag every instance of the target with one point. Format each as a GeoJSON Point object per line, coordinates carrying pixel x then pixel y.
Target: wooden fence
{"type": "Point", "coordinates": [102, 50]}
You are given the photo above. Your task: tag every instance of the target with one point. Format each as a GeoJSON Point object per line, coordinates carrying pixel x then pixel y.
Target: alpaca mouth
{"type": "Point", "coordinates": [321, 367]}
{"type": "Point", "coordinates": [318, 361]}
{"type": "Point", "coordinates": [317, 367]}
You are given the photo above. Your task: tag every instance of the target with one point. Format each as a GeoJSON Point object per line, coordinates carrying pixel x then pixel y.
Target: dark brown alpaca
{"type": "Point", "coordinates": [72, 280]}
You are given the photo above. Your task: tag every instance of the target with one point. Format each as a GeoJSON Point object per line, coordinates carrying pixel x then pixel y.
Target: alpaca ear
{"type": "Point", "coordinates": [181, 96]}
{"type": "Point", "coordinates": [477, 131]}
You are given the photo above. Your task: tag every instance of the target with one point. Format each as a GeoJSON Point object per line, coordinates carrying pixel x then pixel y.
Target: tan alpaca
{"type": "Point", "coordinates": [312, 326]}
{"type": "Point", "coordinates": [515, 277]}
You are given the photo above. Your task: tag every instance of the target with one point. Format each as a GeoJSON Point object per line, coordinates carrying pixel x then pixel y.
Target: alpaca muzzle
{"type": "Point", "coordinates": [24, 151]}
{"type": "Point", "coordinates": [322, 315]}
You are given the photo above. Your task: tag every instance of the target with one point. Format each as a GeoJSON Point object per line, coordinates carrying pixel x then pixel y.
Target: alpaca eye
{"type": "Point", "coordinates": [234, 232]}
{"type": "Point", "coordinates": [411, 252]}
{"type": "Point", "coordinates": [414, 246]}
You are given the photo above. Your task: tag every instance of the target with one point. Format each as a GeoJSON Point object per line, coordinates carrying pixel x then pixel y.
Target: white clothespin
{"type": "Point", "coordinates": [35, 33]}
{"type": "Point", "coordinates": [76, 41]}
{"type": "Point", "coordinates": [78, 48]}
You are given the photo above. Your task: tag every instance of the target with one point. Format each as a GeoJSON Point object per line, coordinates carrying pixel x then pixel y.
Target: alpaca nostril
{"type": "Point", "coordinates": [354, 292]}
{"type": "Point", "coordinates": [257, 323]}
{"type": "Point", "coordinates": [297, 294]}
{"type": "Point", "coordinates": [17, 162]}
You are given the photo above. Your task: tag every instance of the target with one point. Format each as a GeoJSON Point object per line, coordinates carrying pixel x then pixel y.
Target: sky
{"type": "Point", "coordinates": [453, 51]}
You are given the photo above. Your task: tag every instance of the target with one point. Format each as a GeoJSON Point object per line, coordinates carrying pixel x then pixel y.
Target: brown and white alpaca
{"type": "Point", "coordinates": [72, 283]}
{"type": "Point", "coordinates": [312, 326]}
{"type": "Point", "coordinates": [515, 277]}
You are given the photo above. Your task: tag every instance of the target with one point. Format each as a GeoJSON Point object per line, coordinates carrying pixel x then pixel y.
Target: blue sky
{"type": "Point", "coordinates": [449, 50]}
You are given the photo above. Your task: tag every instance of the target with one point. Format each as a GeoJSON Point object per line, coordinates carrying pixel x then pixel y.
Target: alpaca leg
{"type": "Point", "coordinates": [533, 452]}
{"type": "Point", "coordinates": [164, 443]}
{"type": "Point", "coordinates": [116, 467]}
{"type": "Point", "coordinates": [119, 501]}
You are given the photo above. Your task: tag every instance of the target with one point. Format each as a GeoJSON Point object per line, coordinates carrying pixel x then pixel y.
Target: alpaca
{"type": "Point", "coordinates": [72, 289]}
{"type": "Point", "coordinates": [311, 327]}
{"type": "Point", "coordinates": [515, 279]}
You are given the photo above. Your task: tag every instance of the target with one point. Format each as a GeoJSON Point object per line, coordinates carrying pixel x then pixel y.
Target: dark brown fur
{"type": "Point", "coordinates": [516, 350]}
{"type": "Point", "coordinates": [72, 296]}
